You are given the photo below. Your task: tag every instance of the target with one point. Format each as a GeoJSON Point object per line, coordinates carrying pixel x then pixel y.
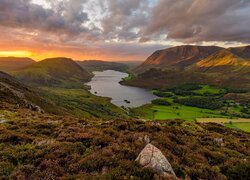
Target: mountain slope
{"type": "Point", "coordinates": [180, 57]}
{"type": "Point", "coordinates": [53, 72]}
{"type": "Point", "coordinates": [14, 63]}
{"type": "Point", "coordinates": [227, 68]}
{"type": "Point", "coordinates": [15, 93]}
{"type": "Point", "coordinates": [223, 61]}
{"type": "Point", "coordinates": [243, 52]}
{"type": "Point", "coordinates": [97, 65]}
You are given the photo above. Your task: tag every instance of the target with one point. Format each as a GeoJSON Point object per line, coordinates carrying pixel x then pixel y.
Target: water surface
{"type": "Point", "coordinates": [106, 84]}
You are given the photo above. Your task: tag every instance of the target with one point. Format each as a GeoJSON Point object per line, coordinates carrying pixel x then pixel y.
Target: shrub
{"type": "Point", "coordinates": [161, 102]}
{"type": "Point", "coordinates": [201, 102]}
{"type": "Point", "coordinates": [163, 94]}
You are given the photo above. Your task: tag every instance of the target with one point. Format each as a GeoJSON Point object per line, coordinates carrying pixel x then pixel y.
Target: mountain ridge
{"type": "Point", "coordinates": [13, 63]}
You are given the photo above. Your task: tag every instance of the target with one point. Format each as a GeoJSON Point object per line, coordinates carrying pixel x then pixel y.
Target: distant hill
{"type": "Point", "coordinates": [14, 63]}
{"type": "Point", "coordinates": [199, 64]}
{"type": "Point", "coordinates": [98, 65]}
{"type": "Point", "coordinates": [53, 72]}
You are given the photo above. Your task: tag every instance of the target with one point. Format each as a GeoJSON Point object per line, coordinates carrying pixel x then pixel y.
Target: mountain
{"type": "Point", "coordinates": [223, 61]}
{"type": "Point", "coordinates": [98, 65]}
{"type": "Point", "coordinates": [14, 63]}
{"type": "Point", "coordinates": [243, 52]}
{"type": "Point", "coordinates": [53, 72]}
{"type": "Point", "coordinates": [212, 65]}
{"type": "Point", "coordinates": [178, 57]}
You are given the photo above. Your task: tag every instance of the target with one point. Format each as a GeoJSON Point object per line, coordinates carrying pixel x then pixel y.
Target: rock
{"type": "Point", "coordinates": [146, 139]}
{"type": "Point", "coordinates": [218, 140]}
{"type": "Point", "coordinates": [44, 142]}
{"type": "Point", "coordinates": [152, 157]}
{"type": "Point", "coordinates": [34, 107]}
{"type": "Point", "coordinates": [3, 121]}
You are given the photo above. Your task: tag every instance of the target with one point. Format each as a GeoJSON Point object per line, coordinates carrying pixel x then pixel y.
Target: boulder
{"type": "Point", "coordinates": [152, 157]}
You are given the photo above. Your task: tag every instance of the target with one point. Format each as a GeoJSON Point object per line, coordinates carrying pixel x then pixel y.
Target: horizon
{"type": "Point", "coordinates": [116, 30]}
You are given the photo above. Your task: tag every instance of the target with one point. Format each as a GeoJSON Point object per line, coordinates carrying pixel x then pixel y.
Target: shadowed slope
{"type": "Point", "coordinates": [53, 72]}
{"type": "Point", "coordinates": [14, 63]}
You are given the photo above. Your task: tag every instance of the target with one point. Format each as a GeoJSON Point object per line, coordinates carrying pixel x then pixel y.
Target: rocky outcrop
{"type": "Point", "coordinates": [34, 107]}
{"type": "Point", "coordinates": [152, 157]}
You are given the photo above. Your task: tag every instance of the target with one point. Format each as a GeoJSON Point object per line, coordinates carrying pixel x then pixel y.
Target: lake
{"type": "Point", "coordinates": [106, 84]}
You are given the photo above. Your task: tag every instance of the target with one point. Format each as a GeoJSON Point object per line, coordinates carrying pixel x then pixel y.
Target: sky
{"type": "Point", "coordinates": [118, 30]}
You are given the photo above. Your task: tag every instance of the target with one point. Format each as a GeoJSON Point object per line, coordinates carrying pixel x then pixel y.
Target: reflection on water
{"type": "Point", "coordinates": [106, 84]}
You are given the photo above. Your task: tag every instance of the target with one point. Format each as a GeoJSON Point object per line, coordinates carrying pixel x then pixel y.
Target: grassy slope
{"type": "Point", "coordinates": [13, 63]}
{"type": "Point", "coordinates": [82, 103]}
{"type": "Point", "coordinates": [242, 126]}
{"type": "Point", "coordinates": [208, 89]}
{"type": "Point", "coordinates": [53, 72]}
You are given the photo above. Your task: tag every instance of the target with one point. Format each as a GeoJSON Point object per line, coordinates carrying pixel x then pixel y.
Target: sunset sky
{"type": "Point", "coordinates": [118, 29]}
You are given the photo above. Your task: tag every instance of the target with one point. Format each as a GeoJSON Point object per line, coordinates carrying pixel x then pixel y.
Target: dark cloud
{"type": "Point", "coordinates": [196, 20]}
{"type": "Point", "coordinates": [124, 18]}
{"type": "Point", "coordinates": [122, 27]}
{"type": "Point", "coordinates": [68, 17]}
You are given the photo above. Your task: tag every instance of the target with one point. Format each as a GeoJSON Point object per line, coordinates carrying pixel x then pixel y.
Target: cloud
{"type": "Point", "coordinates": [124, 18]}
{"type": "Point", "coordinates": [196, 20]}
{"type": "Point", "coordinates": [121, 29]}
{"type": "Point", "coordinates": [66, 17]}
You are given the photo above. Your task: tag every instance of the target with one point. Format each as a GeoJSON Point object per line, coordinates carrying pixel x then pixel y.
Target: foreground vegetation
{"type": "Point", "coordinates": [45, 146]}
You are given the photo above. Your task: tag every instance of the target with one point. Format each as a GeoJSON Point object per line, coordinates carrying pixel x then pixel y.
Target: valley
{"type": "Point", "coordinates": [56, 118]}
{"type": "Point", "coordinates": [124, 90]}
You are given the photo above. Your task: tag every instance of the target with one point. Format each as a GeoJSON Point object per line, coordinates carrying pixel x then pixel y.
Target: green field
{"type": "Point", "coordinates": [208, 89]}
{"type": "Point", "coordinates": [242, 126]}
{"type": "Point", "coordinates": [156, 112]}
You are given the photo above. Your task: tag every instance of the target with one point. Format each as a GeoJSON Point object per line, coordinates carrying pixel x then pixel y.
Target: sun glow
{"type": "Point", "coordinates": [15, 53]}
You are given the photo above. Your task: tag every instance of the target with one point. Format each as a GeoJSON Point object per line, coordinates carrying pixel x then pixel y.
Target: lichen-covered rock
{"type": "Point", "coordinates": [152, 157]}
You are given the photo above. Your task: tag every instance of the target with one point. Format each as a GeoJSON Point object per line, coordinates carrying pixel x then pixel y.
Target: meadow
{"type": "Point", "coordinates": [202, 99]}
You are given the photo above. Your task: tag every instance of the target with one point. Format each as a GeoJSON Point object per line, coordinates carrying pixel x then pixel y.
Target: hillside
{"type": "Point", "coordinates": [223, 61]}
{"type": "Point", "coordinates": [48, 146]}
{"type": "Point", "coordinates": [14, 63]}
{"type": "Point", "coordinates": [228, 68]}
{"type": "Point", "coordinates": [53, 72]}
{"type": "Point", "coordinates": [18, 95]}
{"type": "Point", "coordinates": [179, 57]}
{"type": "Point", "coordinates": [97, 65]}
{"type": "Point", "coordinates": [243, 52]}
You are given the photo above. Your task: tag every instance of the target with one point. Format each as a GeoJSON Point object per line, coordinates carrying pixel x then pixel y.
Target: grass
{"type": "Point", "coordinates": [156, 112]}
{"type": "Point", "coordinates": [129, 77]}
{"type": "Point", "coordinates": [208, 89]}
{"type": "Point", "coordinates": [82, 103]}
{"type": "Point", "coordinates": [244, 126]}
{"type": "Point", "coordinates": [223, 120]}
